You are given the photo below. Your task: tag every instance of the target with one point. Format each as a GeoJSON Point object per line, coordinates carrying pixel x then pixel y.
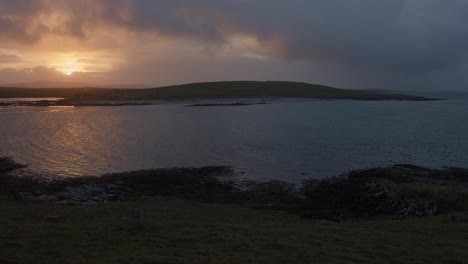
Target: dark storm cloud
{"type": "Point", "coordinates": [388, 37]}
{"type": "Point", "coordinates": [415, 35]}
{"type": "Point", "coordinates": [411, 34]}
{"type": "Point", "coordinates": [391, 39]}
{"type": "Point", "coordinates": [17, 20]}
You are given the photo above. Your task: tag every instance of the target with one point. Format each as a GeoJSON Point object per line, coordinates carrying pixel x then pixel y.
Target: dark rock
{"type": "Point", "coordinates": [198, 183]}
{"type": "Point", "coordinates": [273, 188]}
{"type": "Point", "coordinates": [417, 208]}
{"type": "Point", "coordinates": [459, 218]}
{"type": "Point", "coordinates": [378, 193]}
{"type": "Point", "coordinates": [367, 194]}
{"type": "Point", "coordinates": [91, 193]}
{"type": "Point", "coordinates": [53, 218]}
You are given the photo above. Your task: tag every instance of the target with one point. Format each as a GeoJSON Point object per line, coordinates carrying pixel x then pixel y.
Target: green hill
{"type": "Point", "coordinates": [246, 89]}
{"type": "Point", "coordinates": [234, 89]}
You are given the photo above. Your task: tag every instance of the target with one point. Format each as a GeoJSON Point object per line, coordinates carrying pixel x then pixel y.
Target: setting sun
{"type": "Point", "coordinates": [69, 67]}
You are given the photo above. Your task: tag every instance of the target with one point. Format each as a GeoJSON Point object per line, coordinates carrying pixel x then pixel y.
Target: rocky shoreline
{"type": "Point", "coordinates": [395, 192]}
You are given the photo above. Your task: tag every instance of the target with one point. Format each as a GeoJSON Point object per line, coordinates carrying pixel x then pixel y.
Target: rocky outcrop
{"type": "Point", "coordinates": [192, 183]}
{"type": "Point", "coordinates": [397, 192]}
{"type": "Point", "coordinates": [91, 193]}
{"type": "Point", "coordinates": [382, 193]}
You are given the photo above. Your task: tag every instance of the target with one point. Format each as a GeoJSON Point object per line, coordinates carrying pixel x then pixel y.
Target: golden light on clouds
{"type": "Point", "coordinates": [70, 63]}
{"type": "Point", "coordinates": [69, 67]}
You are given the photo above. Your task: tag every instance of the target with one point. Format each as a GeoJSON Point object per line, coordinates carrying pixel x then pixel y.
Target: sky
{"type": "Point", "coordinates": [360, 44]}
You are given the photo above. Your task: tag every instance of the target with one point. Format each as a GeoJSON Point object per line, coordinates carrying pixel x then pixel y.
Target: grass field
{"type": "Point", "coordinates": [235, 89]}
{"type": "Point", "coordinates": [179, 231]}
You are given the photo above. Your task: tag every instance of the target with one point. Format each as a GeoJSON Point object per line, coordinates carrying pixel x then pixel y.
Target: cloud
{"type": "Point", "coordinates": [387, 42]}
{"type": "Point", "coordinates": [9, 75]}
{"type": "Point", "coordinates": [19, 20]}
{"type": "Point", "coordinates": [9, 58]}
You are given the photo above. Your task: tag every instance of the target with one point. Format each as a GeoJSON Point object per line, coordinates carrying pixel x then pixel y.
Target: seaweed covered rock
{"type": "Point", "coordinates": [373, 194]}
{"type": "Point", "coordinates": [199, 183]}
{"type": "Point", "coordinates": [351, 197]}
{"type": "Point", "coordinates": [396, 192]}
{"type": "Point", "coordinates": [269, 190]}
{"type": "Point", "coordinates": [83, 194]}
{"type": "Point", "coordinates": [192, 183]}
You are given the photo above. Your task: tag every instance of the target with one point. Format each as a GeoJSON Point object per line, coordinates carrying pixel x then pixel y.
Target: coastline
{"type": "Point", "coordinates": [395, 192]}
{"type": "Point", "coordinates": [189, 215]}
{"type": "Point", "coordinates": [189, 102]}
{"type": "Point", "coordinates": [234, 90]}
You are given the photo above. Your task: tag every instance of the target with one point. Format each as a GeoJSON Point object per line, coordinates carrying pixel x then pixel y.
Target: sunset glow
{"type": "Point", "coordinates": [160, 42]}
{"type": "Point", "coordinates": [70, 67]}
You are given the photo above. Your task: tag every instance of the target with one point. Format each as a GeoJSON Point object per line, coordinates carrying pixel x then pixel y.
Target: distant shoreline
{"type": "Point", "coordinates": [211, 90]}
{"type": "Point", "coordinates": [189, 102]}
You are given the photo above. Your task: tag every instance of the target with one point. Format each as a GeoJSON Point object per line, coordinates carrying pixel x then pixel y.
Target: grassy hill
{"type": "Point", "coordinates": [234, 89]}
{"type": "Point", "coordinates": [246, 89]}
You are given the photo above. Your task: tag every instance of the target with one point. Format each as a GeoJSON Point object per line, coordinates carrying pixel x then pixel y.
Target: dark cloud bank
{"type": "Point", "coordinates": [391, 44]}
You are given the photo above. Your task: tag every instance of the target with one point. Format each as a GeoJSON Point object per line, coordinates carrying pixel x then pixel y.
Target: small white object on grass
{"type": "Point", "coordinates": [136, 216]}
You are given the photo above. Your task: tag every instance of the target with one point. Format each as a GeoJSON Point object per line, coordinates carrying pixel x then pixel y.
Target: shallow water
{"type": "Point", "coordinates": [287, 140]}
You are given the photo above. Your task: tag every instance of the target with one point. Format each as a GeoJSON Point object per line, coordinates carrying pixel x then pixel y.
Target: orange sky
{"type": "Point", "coordinates": [355, 44]}
{"type": "Point", "coordinates": [96, 42]}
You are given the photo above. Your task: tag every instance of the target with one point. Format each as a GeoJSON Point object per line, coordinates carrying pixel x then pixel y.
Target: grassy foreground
{"type": "Point", "coordinates": [179, 231]}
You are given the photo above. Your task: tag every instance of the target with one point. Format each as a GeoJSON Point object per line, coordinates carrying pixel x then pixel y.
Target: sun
{"type": "Point", "coordinates": [69, 67]}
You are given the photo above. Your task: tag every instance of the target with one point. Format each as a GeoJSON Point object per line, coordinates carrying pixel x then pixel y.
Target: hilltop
{"type": "Point", "coordinates": [252, 89]}
{"type": "Point", "coordinates": [231, 89]}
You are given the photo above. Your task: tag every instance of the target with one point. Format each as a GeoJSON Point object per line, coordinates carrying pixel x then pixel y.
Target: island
{"type": "Point", "coordinates": [209, 90]}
